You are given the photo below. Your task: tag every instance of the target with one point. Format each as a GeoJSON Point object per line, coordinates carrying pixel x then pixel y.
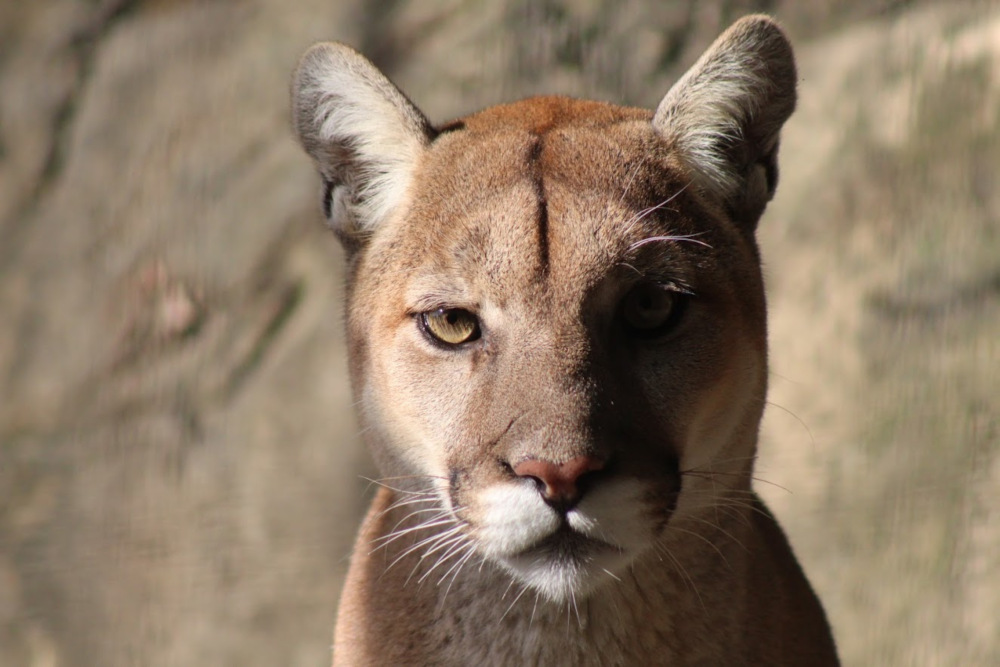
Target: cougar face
{"type": "Point", "coordinates": [558, 334]}
{"type": "Point", "coordinates": [555, 313]}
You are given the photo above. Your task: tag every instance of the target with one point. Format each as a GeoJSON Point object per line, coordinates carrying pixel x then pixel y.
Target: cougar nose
{"type": "Point", "coordinates": [559, 483]}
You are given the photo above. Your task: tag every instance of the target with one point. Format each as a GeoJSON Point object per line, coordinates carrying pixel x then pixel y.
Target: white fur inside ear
{"type": "Point", "coordinates": [365, 136]}
{"type": "Point", "coordinates": [731, 104]}
{"type": "Point", "coordinates": [706, 116]}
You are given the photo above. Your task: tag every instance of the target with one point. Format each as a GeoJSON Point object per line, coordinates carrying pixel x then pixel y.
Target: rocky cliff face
{"type": "Point", "coordinates": [179, 472]}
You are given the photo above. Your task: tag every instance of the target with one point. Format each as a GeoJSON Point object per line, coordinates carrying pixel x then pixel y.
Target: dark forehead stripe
{"type": "Point", "coordinates": [534, 164]}
{"type": "Point", "coordinates": [541, 128]}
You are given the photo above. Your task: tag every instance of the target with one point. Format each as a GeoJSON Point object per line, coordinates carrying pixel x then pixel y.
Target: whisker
{"type": "Point", "coordinates": [748, 494]}
{"type": "Point", "coordinates": [731, 511]}
{"type": "Point", "coordinates": [444, 541]}
{"type": "Point", "coordinates": [635, 172]}
{"type": "Point", "coordinates": [396, 534]}
{"type": "Point", "coordinates": [733, 459]}
{"type": "Point", "coordinates": [440, 519]}
{"type": "Point", "coordinates": [703, 539]}
{"type": "Point", "coordinates": [514, 601]}
{"type": "Point", "coordinates": [395, 477]}
{"type": "Point", "coordinates": [460, 564]}
{"type": "Point", "coordinates": [457, 567]}
{"type": "Point", "coordinates": [691, 238]}
{"type": "Point", "coordinates": [389, 539]}
{"type": "Point", "coordinates": [647, 211]}
{"type": "Point", "coordinates": [802, 422]}
{"type": "Point", "coordinates": [629, 266]}
{"type": "Point", "coordinates": [721, 530]}
{"type": "Point", "coordinates": [739, 504]}
{"type": "Point", "coordinates": [684, 575]}
{"type": "Point", "coordinates": [507, 590]}
{"type": "Point", "coordinates": [455, 537]}
{"type": "Point", "coordinates": [708, 474]}
{"type": "Point", "coordinates": [405, 502]}
{"type": "Point", "coordinates": [383, 484]}
{"type": "Point", "coordinates": [433, 539]}
{"type": "Point", "coordinates": [576, 609]}
{"type": "Point", "coordinates": [419, 510]}
{"type": "Point", "coordinates": [455, 570]}
{"type": "Point", "coordinates": [458, 544]}
{"type": "Point", "coordinates": [436, 540]}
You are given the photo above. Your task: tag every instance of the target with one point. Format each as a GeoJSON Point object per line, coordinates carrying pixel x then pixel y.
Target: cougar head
{"type": "Point", "coordinates": [555, 310]}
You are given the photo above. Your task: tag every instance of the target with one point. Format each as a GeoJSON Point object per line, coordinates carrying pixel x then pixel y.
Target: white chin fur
{"type": "Point", "coordinates": [512, 520]}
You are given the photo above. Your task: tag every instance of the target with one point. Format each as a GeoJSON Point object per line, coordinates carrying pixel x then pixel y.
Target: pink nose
{"type": "Point", "coordinates": [559, 482]}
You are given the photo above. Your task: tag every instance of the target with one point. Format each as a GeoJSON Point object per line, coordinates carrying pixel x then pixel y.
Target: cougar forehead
{"type": "Point", "coordinates": [537, 187]}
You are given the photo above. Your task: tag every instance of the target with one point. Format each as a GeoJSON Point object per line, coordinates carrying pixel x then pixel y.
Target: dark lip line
{"type": "Point", "coordinates": [550, 543]}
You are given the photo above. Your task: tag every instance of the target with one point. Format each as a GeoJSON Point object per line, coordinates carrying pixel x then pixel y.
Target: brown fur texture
{"type": "Point", "coordinates": [605, 257]}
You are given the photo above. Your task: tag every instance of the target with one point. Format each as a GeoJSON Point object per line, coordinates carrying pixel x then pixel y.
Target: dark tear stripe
{"type": "Point", "coordinates": [543, 209]}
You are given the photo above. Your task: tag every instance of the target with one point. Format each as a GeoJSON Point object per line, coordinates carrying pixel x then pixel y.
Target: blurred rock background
{"type": "Point", "coordinates": [180, 478]}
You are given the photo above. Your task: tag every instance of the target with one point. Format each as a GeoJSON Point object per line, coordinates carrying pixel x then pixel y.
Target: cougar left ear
{"type": "Point", "coordinates": [364, 135]}
{"type": "Point", "coordinates": [724, 115]}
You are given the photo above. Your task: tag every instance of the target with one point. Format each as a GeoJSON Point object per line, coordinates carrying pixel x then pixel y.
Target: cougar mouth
{"type": "Point", "coordinates": [567, 544]}
{"type": "Point", "coordinates": [566, 553]}
{"type": "Point", "coordinates": [566, 564]}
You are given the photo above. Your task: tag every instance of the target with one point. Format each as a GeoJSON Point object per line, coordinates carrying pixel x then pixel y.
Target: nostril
{"type": "Point", "coordinates": [584, 481]}
{"type": "Point", "coordinates": [527, 472]}
{"type": "Point", "coordinates": [559, 482]}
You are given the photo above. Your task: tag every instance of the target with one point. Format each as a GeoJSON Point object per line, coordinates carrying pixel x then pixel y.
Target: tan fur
{"type": "Point", "coordinates": [542, 219]}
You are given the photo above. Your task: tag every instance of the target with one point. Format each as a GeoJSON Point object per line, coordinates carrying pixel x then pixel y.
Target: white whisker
{"type": "Point", "coordinates": [458, 544]}
{"type": "Point", "coordinates": [514, 602]}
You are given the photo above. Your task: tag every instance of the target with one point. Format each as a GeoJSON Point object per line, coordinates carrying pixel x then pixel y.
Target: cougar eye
{"type": "Point", "coordinates": [651, 309]}
{"type": "Point", "coordinates": [451, 326]}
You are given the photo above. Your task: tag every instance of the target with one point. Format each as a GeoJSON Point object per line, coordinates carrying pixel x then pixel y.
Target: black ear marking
{"type": "Point", "coordinates": [327, 198]}
{"type": "Point", "coordinates": [770, 163]}
{"type": "Point", "coordinates": [449, 127]}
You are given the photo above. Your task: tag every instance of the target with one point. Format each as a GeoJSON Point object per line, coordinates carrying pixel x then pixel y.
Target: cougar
{"type": "Point", "coordinates": [557, 341]}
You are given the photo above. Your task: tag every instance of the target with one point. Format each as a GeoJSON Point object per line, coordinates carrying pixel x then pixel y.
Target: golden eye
{"type": "Point", "coordinates": [451, 326]}
{"type": "Point", "coordinates": [651, 309]}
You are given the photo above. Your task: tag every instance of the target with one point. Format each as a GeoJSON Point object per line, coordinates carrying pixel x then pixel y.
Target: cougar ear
{"type": "Point", "coordinates": [363, 133]}
{"type": "Point", "coordinates": [724, 115]}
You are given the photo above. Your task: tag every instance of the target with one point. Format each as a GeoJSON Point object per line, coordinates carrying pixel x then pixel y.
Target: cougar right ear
{"type": "Point", "coordinates": [364, 135]}
{"type": "Point", "coordinates": [725, 115]}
